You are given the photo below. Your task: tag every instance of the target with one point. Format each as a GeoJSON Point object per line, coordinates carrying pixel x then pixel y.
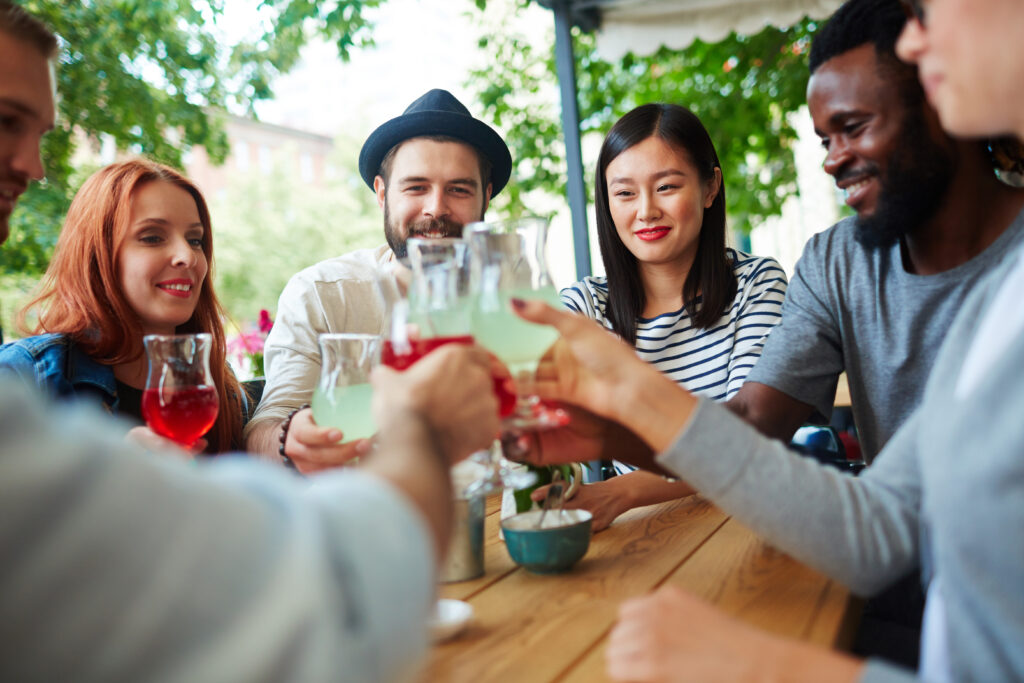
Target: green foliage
{"type": "Point", "coordinates": [741, 88]}
{"type": "Point", "coordinates": [15, 292]}
{"type": "Point", "coordinates": [148, 74]}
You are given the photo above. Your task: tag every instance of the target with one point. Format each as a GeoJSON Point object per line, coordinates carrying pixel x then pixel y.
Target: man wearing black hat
{"type": "Point", "coordinates": [433, 169]}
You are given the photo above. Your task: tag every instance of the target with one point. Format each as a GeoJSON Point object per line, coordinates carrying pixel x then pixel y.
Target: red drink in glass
{"type": "Point", "coordinates": [182, 415]}
{"type": "Point", "coordinates": [417, 349]}
{"type": "Point", "coordinates": [421, 347]}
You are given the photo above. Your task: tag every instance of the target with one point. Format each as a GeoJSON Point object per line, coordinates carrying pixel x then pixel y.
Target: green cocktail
{"type": "Point", "coordinates": [519, 344]}
{"type": "Point", "coordinates": [347, 408]}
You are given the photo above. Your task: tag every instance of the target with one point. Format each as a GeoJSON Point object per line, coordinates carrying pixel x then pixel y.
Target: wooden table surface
{"type": "Point", "coordinates": [530, 627]}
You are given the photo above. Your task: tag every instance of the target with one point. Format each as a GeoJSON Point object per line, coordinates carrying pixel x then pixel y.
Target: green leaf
{"type": "Point", "coordinates": [152, 75]}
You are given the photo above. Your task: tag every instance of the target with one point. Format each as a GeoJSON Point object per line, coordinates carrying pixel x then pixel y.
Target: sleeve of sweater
{"type": "Point", "coordinates": [118, 565]}
{"type": "Point", "coordinates": [862, 531]}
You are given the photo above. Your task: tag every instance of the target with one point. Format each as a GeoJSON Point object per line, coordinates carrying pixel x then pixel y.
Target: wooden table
{"type": "Point", "coordinates": [529, 627]}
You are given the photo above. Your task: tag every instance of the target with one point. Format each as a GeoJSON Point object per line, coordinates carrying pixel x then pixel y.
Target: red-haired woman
{"type": "Point", "coordinates": [133, 259]}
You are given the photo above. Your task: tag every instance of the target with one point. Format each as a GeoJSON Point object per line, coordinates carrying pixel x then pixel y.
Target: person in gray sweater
{"type": "Point", "coordinates": [945, 492]}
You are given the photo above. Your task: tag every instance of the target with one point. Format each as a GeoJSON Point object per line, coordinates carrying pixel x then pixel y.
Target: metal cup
{"type": "Point", "coordinates": [465, 558]}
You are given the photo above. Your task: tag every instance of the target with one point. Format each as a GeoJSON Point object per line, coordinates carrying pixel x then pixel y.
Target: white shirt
{"type": "Point", "coordinates": [341, 294]}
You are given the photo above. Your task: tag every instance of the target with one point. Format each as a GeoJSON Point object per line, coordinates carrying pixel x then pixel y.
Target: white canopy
{"type": "Point", "coordinates": [642, 26]}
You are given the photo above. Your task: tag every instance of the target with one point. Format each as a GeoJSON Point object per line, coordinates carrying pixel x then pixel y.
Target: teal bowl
{"type": "Point", "coordinates": [556, 548]}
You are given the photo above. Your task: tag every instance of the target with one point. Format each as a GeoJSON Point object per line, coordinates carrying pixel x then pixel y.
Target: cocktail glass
{"type": "Point", "coordinates": [509, 262]}
{"type": "Point", "coordinates": [180, 401]}
{"type": "Point", "coordinates": [438, 311]}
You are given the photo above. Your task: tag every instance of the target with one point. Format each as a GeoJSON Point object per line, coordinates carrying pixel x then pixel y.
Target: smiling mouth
{"type": "Point", "coordinates": [651, 234]}
{"type": "Point", "coordinates": [852, 189]}
{"type": "Point", "coordinates": [176, 288]}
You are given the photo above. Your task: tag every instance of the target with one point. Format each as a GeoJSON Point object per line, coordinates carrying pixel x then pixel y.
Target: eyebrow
{"type": "Point", "coordinates": [164, 223]}
{"type": "Point", "coordinates": [839, 118]}
{"type": "Point", "coordinates": [472, 182]}
{"type": "Point", "coordinates": [657, 176]}
{"type": "Point", "coordinates": [25, 109]}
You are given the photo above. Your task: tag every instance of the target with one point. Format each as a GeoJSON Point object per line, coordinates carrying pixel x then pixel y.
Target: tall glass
{"type": "Point", "coordinates": [343, 394]}
{"type": "Point", "coordinates": [180, 400]}
{"type": "Point", "coordinates": [509, 262]}
{"type": "Point", "coordinates": [436, 311]}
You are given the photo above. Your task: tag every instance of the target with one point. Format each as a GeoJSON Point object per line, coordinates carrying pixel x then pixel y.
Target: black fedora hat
{"type": "Point", "coordinates": [437, 113]}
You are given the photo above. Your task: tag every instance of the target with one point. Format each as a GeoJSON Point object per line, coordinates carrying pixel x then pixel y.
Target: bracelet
{"type": "Point", "coordinates": [288, 462]}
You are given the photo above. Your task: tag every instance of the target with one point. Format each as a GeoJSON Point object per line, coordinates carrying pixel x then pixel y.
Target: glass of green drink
{"type": "Point", "coordinates": [509, 262]}
{"type": "Point", "coordinates": [342, 397]}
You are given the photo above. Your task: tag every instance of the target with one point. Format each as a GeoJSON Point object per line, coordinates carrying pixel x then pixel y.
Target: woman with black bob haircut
{"type": "Point", "coordinates": [697, 310]}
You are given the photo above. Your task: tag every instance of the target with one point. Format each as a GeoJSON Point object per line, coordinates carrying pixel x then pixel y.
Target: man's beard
{"type": "Point", "coordinates": [918, 175]}
{"type": "Point", "coordinates": [443, 227]}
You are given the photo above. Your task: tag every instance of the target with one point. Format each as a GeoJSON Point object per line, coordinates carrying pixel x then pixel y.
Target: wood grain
{"type": "Point", "coordinates": [531, 627]}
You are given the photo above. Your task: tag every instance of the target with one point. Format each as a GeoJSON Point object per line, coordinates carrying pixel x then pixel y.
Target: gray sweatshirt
{"type": "Point", "coordinates": [948, 490]}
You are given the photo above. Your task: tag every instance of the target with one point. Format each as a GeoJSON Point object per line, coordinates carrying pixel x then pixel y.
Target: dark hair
{"type": "Point", "coordinates": [16, 22]}
{"type": "Point", "coordinates": [869, 22]}
{"type": "Point", "coordinates": [389, 159]}
{"type": "Point", "coordinates": [711, 277]}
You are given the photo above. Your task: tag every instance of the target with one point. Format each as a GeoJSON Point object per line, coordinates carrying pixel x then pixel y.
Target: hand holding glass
{"type": "Point", "coordinates": [509, 262]}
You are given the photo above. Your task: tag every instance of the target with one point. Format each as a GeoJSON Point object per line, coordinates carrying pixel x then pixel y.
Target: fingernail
{"type": "Point", "coordinates": [334, 435]}
{"type": "Point", "coordinates": [518, 304]}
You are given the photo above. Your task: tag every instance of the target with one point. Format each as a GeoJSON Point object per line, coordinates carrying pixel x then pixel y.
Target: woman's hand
{"type": "Point", "coordinates": [588, 366]}
{"type": "Point", "coordinates": [599, 499]}
{"type": "Point", "coordinates": [606, 500]}
{"type": "Point", "coordinates": [151, 441]}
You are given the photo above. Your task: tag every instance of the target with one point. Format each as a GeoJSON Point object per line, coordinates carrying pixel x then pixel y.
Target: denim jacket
{"type": "Point", "coordinates": [56, 365]}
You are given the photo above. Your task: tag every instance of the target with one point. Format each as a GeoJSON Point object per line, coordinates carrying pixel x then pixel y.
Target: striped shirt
{"type": "Point", "coordinates": [712, 362]}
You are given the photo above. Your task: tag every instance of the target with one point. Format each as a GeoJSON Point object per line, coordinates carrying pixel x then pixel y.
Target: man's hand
{"type": "Point", "coordinates": [671, 635]}
{"type": "Point", "coordinates": [313, 448]}
{"type": "Point", "coordinates": [451, 388]}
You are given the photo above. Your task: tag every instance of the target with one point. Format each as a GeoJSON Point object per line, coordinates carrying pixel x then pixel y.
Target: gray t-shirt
{"type": "Point", "coordinates": [857, 309]}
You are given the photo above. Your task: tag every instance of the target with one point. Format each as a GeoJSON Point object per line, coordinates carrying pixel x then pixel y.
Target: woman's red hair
{"type": "Point", "coordinates": [81, 292]}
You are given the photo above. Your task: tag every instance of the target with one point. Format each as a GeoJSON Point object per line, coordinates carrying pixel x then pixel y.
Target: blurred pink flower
{"type": "Point", "coordinates": [249, 343]}
{"type": "Point", "coordinates": [265, 322]}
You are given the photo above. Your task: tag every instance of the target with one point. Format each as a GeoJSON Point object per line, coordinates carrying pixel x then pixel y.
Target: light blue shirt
{"type": "Point", "coordinates": [119, 565]}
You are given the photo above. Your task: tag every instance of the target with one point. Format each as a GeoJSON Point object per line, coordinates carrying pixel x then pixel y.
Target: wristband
{"type": "Point", "coordinates": [288, 462]}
